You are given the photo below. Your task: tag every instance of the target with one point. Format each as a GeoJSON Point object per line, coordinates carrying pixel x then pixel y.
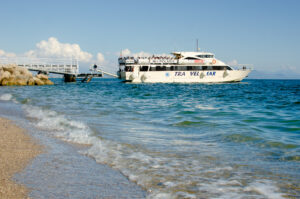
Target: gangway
{"type": "Point", "coordinates": [107, 73]}
{"type": "Point", "coordinates": [95, 70]}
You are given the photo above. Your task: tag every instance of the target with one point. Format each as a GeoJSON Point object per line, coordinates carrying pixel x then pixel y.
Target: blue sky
{"type": "Point", "coordinates": [264, 33]}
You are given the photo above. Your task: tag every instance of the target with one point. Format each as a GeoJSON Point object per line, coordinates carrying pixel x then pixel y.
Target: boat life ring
{"type": "Point", "coordinates": [214, 61]}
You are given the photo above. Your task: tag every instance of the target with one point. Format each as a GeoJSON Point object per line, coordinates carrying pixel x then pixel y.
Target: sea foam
{"type": "Point", "coordinates": [159, 173]}
{"type": "Point", "coordinates": [6, 97]}
{"type": "Point", "coordinates": [59, 125]}
{"type": "Point", "coordinates": [202, 107]}
{"type": "Point", "coordinates": [266, 188]}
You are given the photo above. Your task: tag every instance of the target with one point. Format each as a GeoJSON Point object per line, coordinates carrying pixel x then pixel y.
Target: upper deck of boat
{"type": "Point", "coordinates": [148, 60]}
{"type": "Point", "coordinates": [179, 58]}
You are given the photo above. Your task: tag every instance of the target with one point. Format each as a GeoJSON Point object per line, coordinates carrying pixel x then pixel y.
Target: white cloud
{"type": "Point", "coordinates": [52, 49]}
{"type": "Point", "coordinates": [126, 52]}
{"type": "Point", "coordinates": [100, 58]}
{"type": "Point", "coordinates": [142, 54]}
{"type": "Point", "coordinates": [289, 69]}
{"type": "Point", "coordinates": [233, 63]}
{"type": "Point", "coordinates": [4, 54]}
{"type": "Point", "coordinates": [30, 53]}
{"type": "Point", "coordinates": [55, 49]}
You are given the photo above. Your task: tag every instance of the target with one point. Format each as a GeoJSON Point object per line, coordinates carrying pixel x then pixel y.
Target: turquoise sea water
{"type": "Point", "coordinates": [239, 140]}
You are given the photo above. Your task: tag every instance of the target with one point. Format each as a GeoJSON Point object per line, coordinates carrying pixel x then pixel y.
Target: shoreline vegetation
{"type": "Point", "coordinates": [17, 150]}
{"type": "Point", "coordinates": [13, 75]}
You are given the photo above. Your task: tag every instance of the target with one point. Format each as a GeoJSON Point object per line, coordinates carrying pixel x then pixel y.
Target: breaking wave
{"type": "Point", "coordinates": [163, 175]}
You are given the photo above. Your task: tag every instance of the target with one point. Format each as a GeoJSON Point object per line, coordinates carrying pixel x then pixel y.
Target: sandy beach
{"type": "Point", "coordinates": [17, 149]}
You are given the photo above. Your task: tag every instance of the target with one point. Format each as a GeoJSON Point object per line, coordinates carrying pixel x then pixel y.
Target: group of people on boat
{"type": "Point", "coordinates": [152, 59]}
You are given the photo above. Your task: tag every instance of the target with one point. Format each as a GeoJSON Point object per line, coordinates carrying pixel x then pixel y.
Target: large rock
{"type": "Point", "coordinates": [38, 81]}
{"type": "Point", "coordinates": [5, 75]}
{"type": "Point", "coordinates": [42, 77]}
{"type": "Point", "coordinates": [8, 81]}
{"type": "Point", "coordinates": [21, 82]}
{"type": "Point", "coordinates": [30, 82]}
{"type": "Point", "coordinates": [48, 82]}
{"type": "Point", "coordinates": [13, 75]}
{"type": "Point", "coordinates": [10, 68]}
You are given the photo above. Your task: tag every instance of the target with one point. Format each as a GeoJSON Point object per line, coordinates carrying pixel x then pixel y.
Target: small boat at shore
{"type": "Point", "coordinates": [182, 67]}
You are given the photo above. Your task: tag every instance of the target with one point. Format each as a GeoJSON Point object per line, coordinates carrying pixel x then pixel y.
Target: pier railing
{"type": "Point", "coordinates": [48, 65]}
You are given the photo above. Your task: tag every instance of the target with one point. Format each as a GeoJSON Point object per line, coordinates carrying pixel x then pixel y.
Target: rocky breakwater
{"type": "Point", "coordinates": [11, 75]}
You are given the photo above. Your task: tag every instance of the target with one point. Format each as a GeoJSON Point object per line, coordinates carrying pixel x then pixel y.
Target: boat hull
{"type": "Point", "coordinates": [209, 76]}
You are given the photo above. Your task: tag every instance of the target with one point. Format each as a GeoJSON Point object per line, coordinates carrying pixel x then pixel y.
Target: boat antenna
{"type": "Point", "coordinates": [197, 48]}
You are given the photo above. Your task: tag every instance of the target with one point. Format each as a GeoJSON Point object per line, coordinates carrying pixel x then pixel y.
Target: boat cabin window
{"type": "Point", "coordinates": [176, 68]}
{"type": "Point", "coordinates": [160, 68]}
{"type": "Point", "coordinates": [196, 67]}
{"type": "Point", "coordinates": [144, 68]}
{"type": "Point", "coordinates": [218, 67]}
{"type": "Point", "coordinates": [128, 68]}
{"type": "Point", "coordinates": [181, 68]}
{"type": "Point", "coordinates": [156, 68]}
{"type": "Point", "coordinates": [190, 58]}
{"type": "Point", "coordinates": [205, 56]}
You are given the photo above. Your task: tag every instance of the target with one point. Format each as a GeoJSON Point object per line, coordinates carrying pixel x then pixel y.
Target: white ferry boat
{"type": "Point", "coordinates": [183, 67]}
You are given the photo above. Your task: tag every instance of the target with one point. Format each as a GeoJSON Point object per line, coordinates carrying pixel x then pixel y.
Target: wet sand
{"type": "Point", "coordinates": [17, 149]}
{"type": "Point", "coordinates": [60, 171]}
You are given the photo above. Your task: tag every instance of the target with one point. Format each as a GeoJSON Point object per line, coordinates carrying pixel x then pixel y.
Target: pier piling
{"type": "Point", "coordinates": [69, 78]}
